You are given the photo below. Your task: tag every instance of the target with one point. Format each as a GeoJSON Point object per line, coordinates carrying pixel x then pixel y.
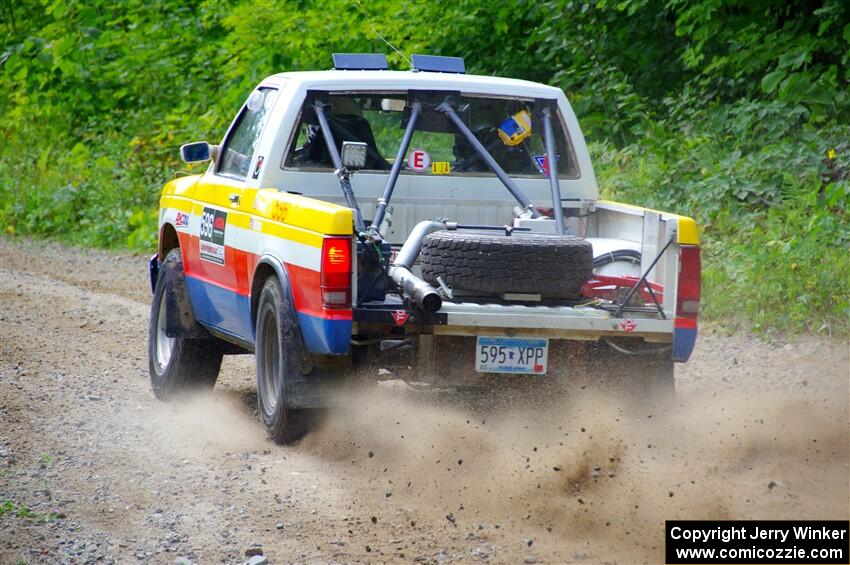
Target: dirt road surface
{"type": "Point", "coordinates": [93, 468]}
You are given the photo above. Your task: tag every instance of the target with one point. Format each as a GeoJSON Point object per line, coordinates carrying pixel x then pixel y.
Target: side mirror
{"type": "Point", "coordinates": [354, 155]}
{"type": "Point", "coordinates": [198, 152]}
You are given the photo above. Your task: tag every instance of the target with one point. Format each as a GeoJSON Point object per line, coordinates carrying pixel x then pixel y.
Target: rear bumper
{"type": "Point", "coordinates": [559, 322]}
{"type": "Point", "coordinates": [554, 322]}
{"type": "Point", "coordinates": [567, 322]}
{"type": "Point", "coordinates": [564, 322]}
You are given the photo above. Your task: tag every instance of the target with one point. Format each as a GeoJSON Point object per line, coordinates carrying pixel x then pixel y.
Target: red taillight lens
{"type": "Point", "coordinates": [687, 297]}
{"type": "Point", "coordinates": [336, 272]}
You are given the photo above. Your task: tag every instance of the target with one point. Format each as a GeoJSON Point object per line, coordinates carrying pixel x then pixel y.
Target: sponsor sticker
{"type": "Point", "coordinates": [181, 220]}
{"type": "Point", "coordinates": [213, 225]}
{"type": "Point", "coordinates": [419, 161]}
{"type": "Point", "coordinates": [441, 168]}
{"type": "Point", "coordinates": [628, 325]}
{"type": "Point", "coordinates": [400, 317]}
{"type": "Point", "coordinates": [257, 167]}
{"type": "Point", "coordinates": [279, 211]}
{"type": "Point", "coordinates": [543, 163]}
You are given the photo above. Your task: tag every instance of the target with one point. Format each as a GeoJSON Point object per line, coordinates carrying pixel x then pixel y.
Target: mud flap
{"type": "Point", "coordinates": [179, 316]}
{"type": "Point", "coordinates": [684, 340]}
{"type": "Point", "coordinates": [310, 392]}
{"type": "Point", "coordinates": [153, 271]}
{"type": "Point", "coordinates": [304, 384]}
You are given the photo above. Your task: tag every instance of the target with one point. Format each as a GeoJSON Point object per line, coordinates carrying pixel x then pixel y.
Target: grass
{"type": "Point", "coordinates": [23, 511]}
{"type": "Point", "coordinates": [46, 460]}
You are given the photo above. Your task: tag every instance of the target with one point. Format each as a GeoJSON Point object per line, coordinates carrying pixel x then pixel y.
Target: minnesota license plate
{"type": "Point", "coordinates": [511, 355]}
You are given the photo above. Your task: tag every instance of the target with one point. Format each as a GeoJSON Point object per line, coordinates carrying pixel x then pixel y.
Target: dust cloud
{"type": "Point", "coordinates": [204, 424]}
{"type": "Point", "coordinates": [595, 469]}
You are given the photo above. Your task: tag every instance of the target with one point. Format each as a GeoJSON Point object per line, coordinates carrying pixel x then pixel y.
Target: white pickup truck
{"type": "Point", "coordinates": [442, 225]}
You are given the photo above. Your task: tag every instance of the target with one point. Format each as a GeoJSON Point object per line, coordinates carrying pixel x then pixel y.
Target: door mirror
{"type": "Point", "coordinates": [197, 152]}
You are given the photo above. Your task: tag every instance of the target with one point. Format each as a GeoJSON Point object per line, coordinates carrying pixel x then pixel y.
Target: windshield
{"type": "Point", "coordinates": [509, 128]}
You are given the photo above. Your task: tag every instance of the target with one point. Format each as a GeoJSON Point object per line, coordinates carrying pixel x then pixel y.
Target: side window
{"type": "Point", "coordinates": [240, 144]}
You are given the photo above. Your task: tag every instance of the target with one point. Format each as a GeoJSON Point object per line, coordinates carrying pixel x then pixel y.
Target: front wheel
{"type": "Point", "coordinates": [177, 364]}
{"type": "Point", "coordinates": [279, 356]}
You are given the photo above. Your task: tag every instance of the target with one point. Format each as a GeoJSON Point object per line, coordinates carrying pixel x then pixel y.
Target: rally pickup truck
{"type": "Point", "coordinates": [443, 226]}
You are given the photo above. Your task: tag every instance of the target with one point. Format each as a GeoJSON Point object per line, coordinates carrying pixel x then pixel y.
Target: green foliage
{"type": "Point", "coordinates": [105, 84]}
{"type": "Point", "coordinates": [722, 109]}
{"type": "Point", "coordinates": [772, 195]}
{"type": "Point", "coordinates": [21, 510]}
{"type": "Point", "coordinates": [794, 51]}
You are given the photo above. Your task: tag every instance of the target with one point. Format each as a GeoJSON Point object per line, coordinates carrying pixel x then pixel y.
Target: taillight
{"type": "Point", "coordinates": [688, 294]}
{"type": "Point", "coordinates": [336, 272]}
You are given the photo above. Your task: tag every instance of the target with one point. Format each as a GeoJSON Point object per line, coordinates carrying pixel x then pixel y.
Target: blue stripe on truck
{"type": "Point", "coordinates": [328, 337]}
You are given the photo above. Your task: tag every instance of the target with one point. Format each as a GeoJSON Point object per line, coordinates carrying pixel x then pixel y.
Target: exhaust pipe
{"type": "Point", "coordinates": [418, 291]}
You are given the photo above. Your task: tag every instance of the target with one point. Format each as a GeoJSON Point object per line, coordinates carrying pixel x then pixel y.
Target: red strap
{"type": "Point", "coordinates": [606, 286]}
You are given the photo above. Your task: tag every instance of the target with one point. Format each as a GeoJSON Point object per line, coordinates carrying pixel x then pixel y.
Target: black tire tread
{"type": "Point", "coordinates": [286, 425]}
{"type": "Point", "coordinates": [552, 266]}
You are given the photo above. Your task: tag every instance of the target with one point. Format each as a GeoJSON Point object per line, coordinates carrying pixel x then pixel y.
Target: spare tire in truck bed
{"type": "Point", "coordinates": [554, 266]}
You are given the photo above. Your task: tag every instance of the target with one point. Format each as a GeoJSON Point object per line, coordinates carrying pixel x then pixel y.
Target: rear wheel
{"type": "Point", "coordinates": [177, 364]}
{"type": "Point", "coordinates": [279, 354]}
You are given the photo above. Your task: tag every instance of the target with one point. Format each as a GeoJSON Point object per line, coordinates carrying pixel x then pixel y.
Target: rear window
{"type": "Point", "coordinates": [511, 129]}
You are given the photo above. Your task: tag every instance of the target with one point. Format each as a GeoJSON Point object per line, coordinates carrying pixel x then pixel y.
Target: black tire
{"type": "Point", "coordinates": [280, 357]}
{"type": "Point", "coordinates": [488, 264]}
{"type": "Point", "coordinates": [177, 364]}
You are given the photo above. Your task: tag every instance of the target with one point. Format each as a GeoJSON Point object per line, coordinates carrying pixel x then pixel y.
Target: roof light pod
{"type": "Point", "coordinates": [360, 62]}
{"type": "Point", "coordinates": [438, 64]}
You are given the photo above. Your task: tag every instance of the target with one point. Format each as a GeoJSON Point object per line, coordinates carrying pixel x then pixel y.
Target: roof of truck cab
{"type": "Point", "coordinates": [405, 80]}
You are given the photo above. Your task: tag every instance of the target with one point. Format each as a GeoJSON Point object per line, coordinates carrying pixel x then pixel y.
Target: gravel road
{"type": "Point", "coordinates": [94, 469]}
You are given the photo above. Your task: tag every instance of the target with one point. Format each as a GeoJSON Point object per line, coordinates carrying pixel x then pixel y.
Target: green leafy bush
{"type": "Point", "coordinates": [772, 196]}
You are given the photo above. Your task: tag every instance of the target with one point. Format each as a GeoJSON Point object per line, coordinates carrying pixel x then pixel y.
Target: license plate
{"type": "Point", "coordinates": [511, 355]}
